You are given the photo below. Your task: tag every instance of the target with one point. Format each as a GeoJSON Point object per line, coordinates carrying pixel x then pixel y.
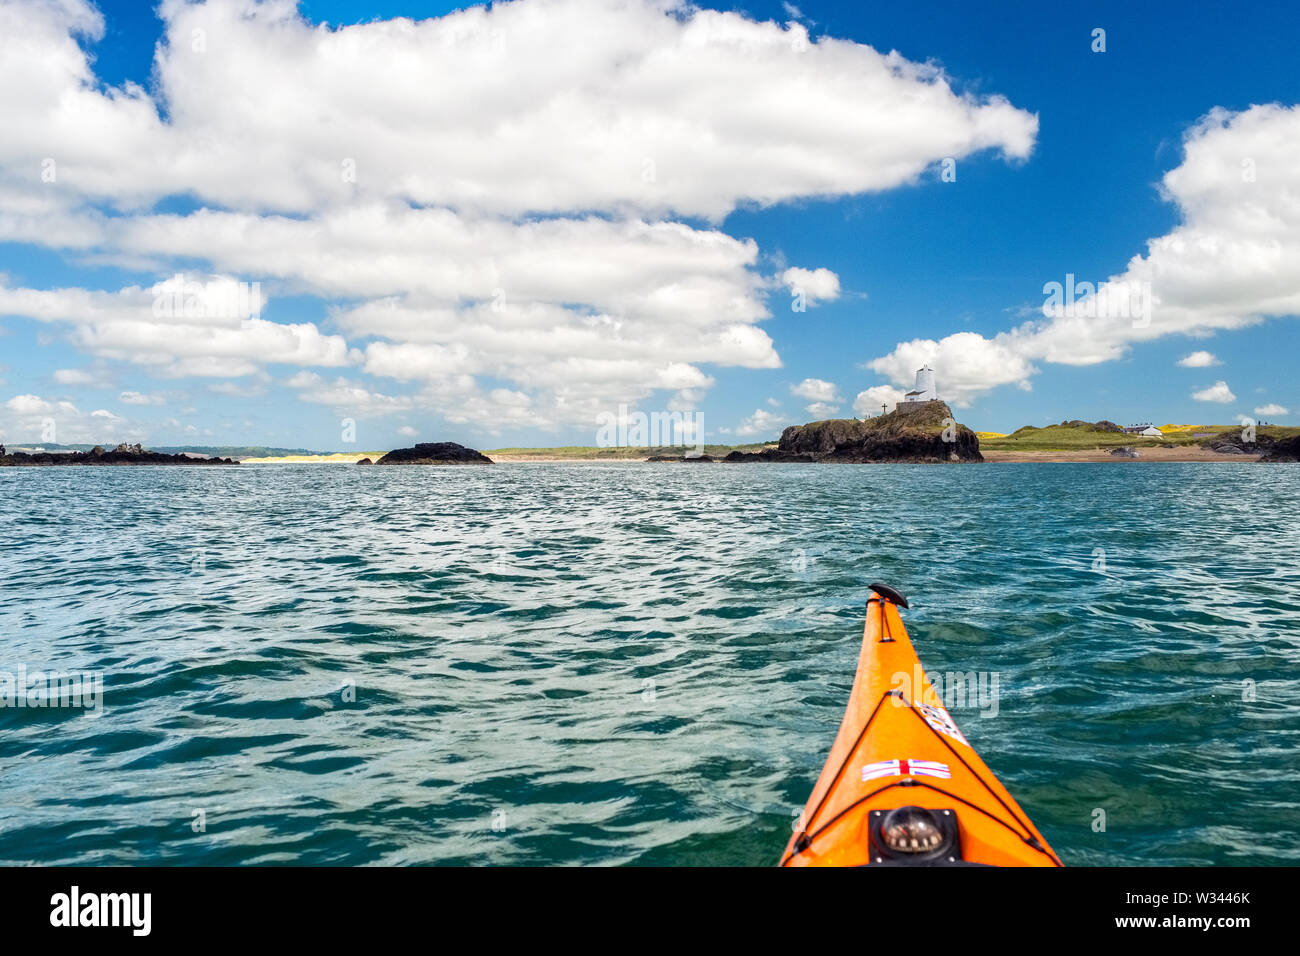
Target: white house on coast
{"type": "Point", "coordinates": [1147, 430]}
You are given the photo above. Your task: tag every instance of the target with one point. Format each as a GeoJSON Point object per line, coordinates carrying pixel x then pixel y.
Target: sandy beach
{"type": "Point", "coordinates": [332, 459]}
{"type": "Point", "coordinates": [532, 460]}
{"type": "Point", "coordinates": [1173, 453]}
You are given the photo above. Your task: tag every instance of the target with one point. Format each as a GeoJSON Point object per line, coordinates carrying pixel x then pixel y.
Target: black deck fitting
{"type": "Point", "coordinates": [889, 594]}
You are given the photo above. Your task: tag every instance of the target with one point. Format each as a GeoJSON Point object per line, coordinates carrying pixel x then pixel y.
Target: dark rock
{"type": "Point", "coordinates": [1232, 443]}
{"type": "Point", "coordinates": [770, 455]}
{"type": "Point", "coordinates": [123, 454]}
{"type": "Point", "coordinates": [435, 453]}
{"type": "Point", "coordinates": [1126, 451]}
{"type": "Point", "coordinates": [822, 438]}
{"type": "Point", "coordinates": [917, 432]}
{"type": "Point", "coordinates": [365, 461]}
{"type": "Point", "coordinates": [1285, 449]}
{"type": "Point", "coordinates": [705, 458]}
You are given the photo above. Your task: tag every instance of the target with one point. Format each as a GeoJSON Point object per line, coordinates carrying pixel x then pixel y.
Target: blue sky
{"type": "Point", "coordinates": [921, 260]}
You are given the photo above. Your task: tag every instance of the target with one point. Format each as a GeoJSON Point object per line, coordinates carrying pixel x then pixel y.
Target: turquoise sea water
{"type": "Point", "coordinates": [630, 663]}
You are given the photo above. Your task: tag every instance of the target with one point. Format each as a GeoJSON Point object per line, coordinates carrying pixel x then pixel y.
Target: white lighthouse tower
{"type": "Point", "coordinates": [924, 390]}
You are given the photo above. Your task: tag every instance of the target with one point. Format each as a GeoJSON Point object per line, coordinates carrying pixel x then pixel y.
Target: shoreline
{"type": "Point", "coordinates": [1186, 453]}
{"type": "Point", "coordinates": [1190, 454]}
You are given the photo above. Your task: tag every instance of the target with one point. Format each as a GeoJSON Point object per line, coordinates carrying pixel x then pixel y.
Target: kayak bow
{"type": "Point", "coordinates": [902, 786]}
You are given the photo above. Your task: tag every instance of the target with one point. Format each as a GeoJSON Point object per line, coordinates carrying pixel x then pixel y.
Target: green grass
{"type": "Point", "coordinates": [1065, 438]}
{"type": "Point", "coordinates": [617, 453]}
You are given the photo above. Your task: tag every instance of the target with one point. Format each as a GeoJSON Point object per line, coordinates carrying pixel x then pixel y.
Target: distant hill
{"type": "Point", "coordinates": [237, 451]}
{"type": "Point", "coordinates": [1069, 435]}
{"type": "Point", "coordinates": [1079, 434]}
{"type": "Point", "coordinates": [216, 451]}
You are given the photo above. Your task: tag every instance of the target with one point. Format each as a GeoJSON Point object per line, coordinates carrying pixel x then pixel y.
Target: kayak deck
{"type": "Point", "coordinates": [897, 750]}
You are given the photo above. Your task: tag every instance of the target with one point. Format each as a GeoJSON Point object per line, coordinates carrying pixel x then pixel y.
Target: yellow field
{"type": "Point", "coordinates": [983, 435]}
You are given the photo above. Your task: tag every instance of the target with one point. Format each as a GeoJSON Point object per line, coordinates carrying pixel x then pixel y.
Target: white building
{"type": "Point", "coordinates": [1148, 430]}
{"type": "Point", "coordinates": [924, 390]}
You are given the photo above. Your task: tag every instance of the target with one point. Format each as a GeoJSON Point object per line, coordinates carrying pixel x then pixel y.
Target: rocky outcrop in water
{"type": "Point", "coordinates": [701, 458]}
{"type": "Point", "coordinates": [1286, 449]}
{"type": "Point", "coordinates": [123, 454]}
{"type": "Point", "coordinates": [771, 454]}
{"type": "Point", "coordinates": [913, 432]}
{"type": "Point", "coordinates": [365, 461]}
{"type": "Point", "coordinates": [1232, 443]}
{"type": "Point", "coordinates": [435, 453]}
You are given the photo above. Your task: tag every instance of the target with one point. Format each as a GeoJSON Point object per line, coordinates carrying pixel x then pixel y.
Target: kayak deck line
{"type": "Point", "coordinates": [1028, 835]}
{"type": "Point", "coordinates": [804, 839]}
{"type": "Point", "coordinates": [1029, 840]}
{"type": "Point", "coordinates": [970, 820]}
{"type": "Point", "coordinates": [884, 621]}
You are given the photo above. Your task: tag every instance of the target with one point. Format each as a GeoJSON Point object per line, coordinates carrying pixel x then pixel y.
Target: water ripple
{"type": "Point", "coordinates": [624, 663]}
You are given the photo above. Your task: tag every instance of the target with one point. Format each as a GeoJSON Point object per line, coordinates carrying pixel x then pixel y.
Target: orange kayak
{"type": "Point", "coordinates": [902, 786]}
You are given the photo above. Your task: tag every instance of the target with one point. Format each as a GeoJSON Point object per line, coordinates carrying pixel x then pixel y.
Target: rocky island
{"type": "Point", "coordinates": [123, 454]}
{"type": "Point", "coordinates": [912, 432]}
{"type": "Point", "coordinates": [435, 453]}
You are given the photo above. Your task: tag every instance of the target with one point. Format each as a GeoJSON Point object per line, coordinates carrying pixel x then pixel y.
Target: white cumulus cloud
{"type": "Point", "coordinates": [31, 418]}
{"type": "Point", "coordinates": [966, 365]}
{"type": "Point", "coordinates": [654, 105]}
{"type": "Point", "coordinates": [1233, 261]}
{"type": "Point", "coordinates": [473, 202]}
{"type": "Point", "coordinates": [761, 423]}
{"type": "Point", "coordinates": [1218, 392]}
{"type": "Point", "coordinates": [815, 285]}
{"type": "Point", "coordinates": [821, 410]}
{"type": "Point", "coordinates": [870, 401]}
{"type": "Point", "coordinates": [816, 390]}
